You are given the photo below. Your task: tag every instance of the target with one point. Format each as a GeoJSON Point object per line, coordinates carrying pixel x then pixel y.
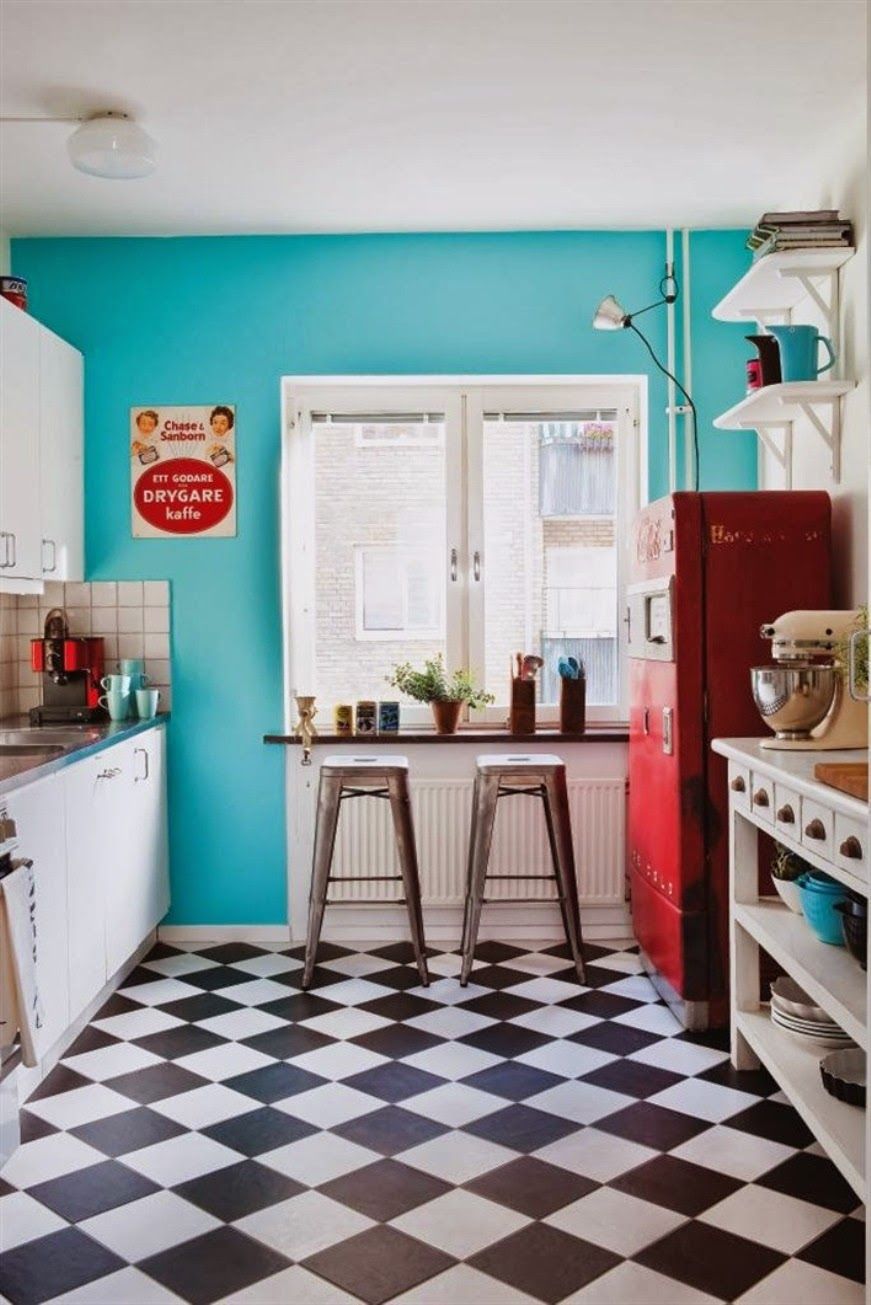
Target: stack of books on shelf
{"type": "Point", "coordinates": [806, 229]}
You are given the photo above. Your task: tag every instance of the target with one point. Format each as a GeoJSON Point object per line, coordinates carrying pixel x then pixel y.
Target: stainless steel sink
{"type": "Point", "coordinates": [42, 737]}
{"type": "Point", "coordinates": [30, 750]}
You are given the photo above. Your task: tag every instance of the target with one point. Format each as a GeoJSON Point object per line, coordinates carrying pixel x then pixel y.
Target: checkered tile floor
{"type": "Point", "coordinates": [217, 1134]}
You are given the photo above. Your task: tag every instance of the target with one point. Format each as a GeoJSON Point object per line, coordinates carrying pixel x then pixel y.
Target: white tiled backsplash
{"type": "Point", "coordinates": [133, 617]}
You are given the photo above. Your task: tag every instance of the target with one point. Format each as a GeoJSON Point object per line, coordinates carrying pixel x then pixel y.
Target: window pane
{"type": "Point", "coordinates": [380, 573]}
{"type": "Point", "coordinates": [550, 549]}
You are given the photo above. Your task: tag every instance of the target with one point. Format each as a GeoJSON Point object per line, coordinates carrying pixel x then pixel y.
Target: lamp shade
{"type": "Point", "coordinates": [610, 315]}
{"type": "Point", "coordinates": [113, 146]}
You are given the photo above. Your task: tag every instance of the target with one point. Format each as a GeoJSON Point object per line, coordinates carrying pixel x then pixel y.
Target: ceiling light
{"type": "Point", "coordinates": [112, 145]}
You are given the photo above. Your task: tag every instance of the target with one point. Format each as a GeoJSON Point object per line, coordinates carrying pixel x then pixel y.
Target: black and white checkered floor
{"type": "Point", "coordinates": [216, 1134]}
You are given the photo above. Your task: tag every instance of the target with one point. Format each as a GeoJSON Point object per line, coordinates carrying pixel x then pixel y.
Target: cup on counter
{"type": "Point", "coordinates": [135, 668]}
{"type": "Point", "coordinates": [116, 703]}
{"type": "Point", "coordinates": [116, 684]}
{"type": "Point", "coordinates": [146, 703]}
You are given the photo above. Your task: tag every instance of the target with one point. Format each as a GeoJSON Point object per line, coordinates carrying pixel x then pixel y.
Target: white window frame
{"type": "Point", "coordinates": [422, 633]}
{"type": "Point", "coordinates": [463, 399]}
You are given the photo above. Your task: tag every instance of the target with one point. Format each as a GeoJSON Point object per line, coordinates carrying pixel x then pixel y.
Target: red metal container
{"type": "Point", "coordinates": [706, 570]}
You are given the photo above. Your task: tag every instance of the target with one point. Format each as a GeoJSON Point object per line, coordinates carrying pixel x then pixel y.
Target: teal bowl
{"type": "Point", "coordinates": [820, 913]}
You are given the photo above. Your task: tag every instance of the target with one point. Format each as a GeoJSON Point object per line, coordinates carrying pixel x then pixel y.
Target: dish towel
{"type": "Point", "coordinates": [20, 1006]}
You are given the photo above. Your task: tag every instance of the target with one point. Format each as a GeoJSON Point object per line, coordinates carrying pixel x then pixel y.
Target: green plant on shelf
{"type": "Point", "coordinates": [787, 865]}
{"type": "Point", "coordinates": [434, 684]}
{"type": "Point", "coordinates": [842, 652]}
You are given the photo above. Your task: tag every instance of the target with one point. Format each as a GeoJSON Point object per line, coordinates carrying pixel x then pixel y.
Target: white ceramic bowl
{"type": "Point", "coordinates": [789, 893]}
{"type": "Point", "coordinates": [788, 997]}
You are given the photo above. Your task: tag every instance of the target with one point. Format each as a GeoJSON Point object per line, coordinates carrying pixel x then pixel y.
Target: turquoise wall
{"type": "Point", "coordinates": [202, 320]}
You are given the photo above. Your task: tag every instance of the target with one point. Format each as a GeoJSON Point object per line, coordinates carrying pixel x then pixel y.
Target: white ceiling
{"type": "Point", "coordinates": [393, 115]}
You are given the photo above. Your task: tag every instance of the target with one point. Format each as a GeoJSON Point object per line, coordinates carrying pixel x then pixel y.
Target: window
{"type": "Point", "coordinates": [468, 520]}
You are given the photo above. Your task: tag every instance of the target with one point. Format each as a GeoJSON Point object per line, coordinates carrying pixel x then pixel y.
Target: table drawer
{"type": "Point", "coordinates": [762, 797]}
{"type": "Point", "coordinates": [787, 812]}
{"type": "Point", "coordinates": [818, 828]}
{"type": "Point", "coordinates": [851, 845]}
{"type": "Point", "coordinates": [739, 784]}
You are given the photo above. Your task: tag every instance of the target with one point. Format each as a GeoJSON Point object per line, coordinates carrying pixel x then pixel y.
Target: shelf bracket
{"type": "Point", "coordinates": [782, 452]}
{"type": "Point", "coordinates": [830, 433]}
{"type": "Point", "coordinates": [821, 287]}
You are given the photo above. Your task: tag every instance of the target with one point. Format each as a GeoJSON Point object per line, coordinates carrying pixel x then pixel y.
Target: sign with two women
{"type": "Point", "coordinates": [183, 470]}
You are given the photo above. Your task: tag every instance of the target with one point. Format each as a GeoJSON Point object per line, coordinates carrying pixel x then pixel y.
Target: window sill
{"type": "Point", "coordinates": [597, 733]}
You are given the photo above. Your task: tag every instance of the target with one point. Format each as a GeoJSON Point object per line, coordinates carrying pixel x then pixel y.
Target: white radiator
{"type": "Point", "coordinates": [442, 810]}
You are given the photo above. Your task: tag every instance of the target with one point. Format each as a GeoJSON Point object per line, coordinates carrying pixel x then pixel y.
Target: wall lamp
{"type": "Point", "coordinates": [612, 316]}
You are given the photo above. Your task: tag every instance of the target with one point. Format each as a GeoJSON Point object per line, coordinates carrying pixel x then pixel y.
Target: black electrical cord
{"type": "Point", "coordinates": [692, 406]}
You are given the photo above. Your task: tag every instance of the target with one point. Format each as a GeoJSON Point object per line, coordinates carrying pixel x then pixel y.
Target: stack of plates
{"type": "Point", "coordinates": [793, 1010]}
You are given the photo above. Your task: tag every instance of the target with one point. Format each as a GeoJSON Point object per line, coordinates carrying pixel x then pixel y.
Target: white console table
{"type": "Point", "coordinates": [775, 791]}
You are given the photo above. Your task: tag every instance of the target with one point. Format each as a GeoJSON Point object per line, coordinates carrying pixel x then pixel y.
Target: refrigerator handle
{"type": "Point", "coordinates": [645, 720]}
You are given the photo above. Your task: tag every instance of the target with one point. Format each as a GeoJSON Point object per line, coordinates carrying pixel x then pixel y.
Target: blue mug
{"type": "Point", "coordinates": [117, 704]}
{"type": "Point", "coordinates": [135, 668]}
{"type": "Point", "coordinates": [799, 352]}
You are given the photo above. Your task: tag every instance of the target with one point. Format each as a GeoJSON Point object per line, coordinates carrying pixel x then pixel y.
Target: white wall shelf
{"type": "Point", "coordinates": [774, 285]}
{"type": "Point", "coordinates": [772, 411]}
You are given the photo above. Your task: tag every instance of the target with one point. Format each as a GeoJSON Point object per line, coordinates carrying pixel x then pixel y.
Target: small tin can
{"type": "Point", "coordinates": [366, 718]}
{"type": "Point", "coordinates": [388, 718]}
{"type": "Point", "coordinates": [14, 288]}
{"type": "Point", "coordinates": [343, 718]}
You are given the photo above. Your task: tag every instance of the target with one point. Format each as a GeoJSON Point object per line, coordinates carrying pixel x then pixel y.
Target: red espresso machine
{"type": "Point", "coordinates": [72, 668]}
{"type": "Point", "coordinates": [706, 571]}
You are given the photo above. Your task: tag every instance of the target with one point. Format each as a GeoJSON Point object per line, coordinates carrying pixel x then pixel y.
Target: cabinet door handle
{"type": "Point", "coordinates": [786, 815]}
{"type": "Point", "coordinates": [454, 564]}
{"type": "Point", "coordinates": [816, 829]}
{"type": "Point", "coordinates": [476, 565]}
{"type": "Point", "coordinates": [14, 540]}
{"type": "Point", "coordinates": [53, 567]}
{"type": "Point", "coordinates": [6, 536]}
{"type": "Point", "coordinates": [144, 775]}
{"type": "Point", "coordinates": [760, 798]}
{"type": "Point", "coordinates": [852, 848]}
{"type": "Point", "coordinates": [738, 785]}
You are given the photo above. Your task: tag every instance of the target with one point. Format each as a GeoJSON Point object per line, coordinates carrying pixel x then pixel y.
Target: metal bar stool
{"type": "Point", "coordinates": [343, 778]}
{"type": "Point", "coordinates": [544, 777]}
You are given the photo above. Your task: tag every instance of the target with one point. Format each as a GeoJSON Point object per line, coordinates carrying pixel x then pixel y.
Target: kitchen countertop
{"type": "Point", "coordinates": [471, 734]}
{"type": "Point", "coordinates": [796, 769]}
{"type": "Point", "coordinates": [16, 772]}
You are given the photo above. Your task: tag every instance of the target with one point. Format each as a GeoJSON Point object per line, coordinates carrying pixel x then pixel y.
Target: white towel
{"type": "Point", "coordinates": [20, 1006]}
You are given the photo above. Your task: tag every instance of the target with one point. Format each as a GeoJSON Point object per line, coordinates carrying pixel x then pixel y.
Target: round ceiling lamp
{"type": "Point", "coordinates": [112, 145]}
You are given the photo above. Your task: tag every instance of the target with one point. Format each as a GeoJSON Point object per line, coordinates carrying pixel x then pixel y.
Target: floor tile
{"type": "Point", "coordinates": [204, 1106]}
{"type": "Point", "coordinates": [244, 1023]}
{"type": "Point", "coordinates": [223, 1062]}
{"type": "Point", "coordinates": [652, 1125]}
{"type": "Point", "coordinates": [567, 1059]}
{"type": "Point", "coordinates": [148, 1225]}
{"type": "Point", "coordinates": [710, 1101]}
{"type": "Point", "coordinates": [346, 1022]}
{"type": "Point", "coordinates": [47, 1266]}
{"type": "Point", "coordinates": [531, 1186]}
{"type": "Point", "coordinates": [357, 965]}
{"type": "Point", "coordinates": [450, 1022]}
{"type": "Point", "coordinates": [385, 1189]}
{"type": "Point", "coordinates": [580, 1101]}
{"type": "Point", "coordinates": [501, 1005]}
{"type": "Point", "coordinates": [676, 1184]}
{"type": "Point", "coordinates": [181, 1040]}
{"type": "Point", "coordinates": [454, 1104]}
{"type": "Point", "coordinates": [257, 1131]}
{"type": "Point", "coordinates": [632, 1284]}
{"type": "Point", "coordinates": [538, 963]}
{"type": "Point", "coordinates": [80, 1106]}
{"type": "Point", "coordinates": [315, 1160]}
{"type": "Point", "coordinates": [513, 1081]}
{"type": "Point", "coordinates": [710, 1259]}
{"type": "Point", "coordinates": [400, 1006]}
{"type": "Point", "coordinates": [841, 1249]}
{"type": "Point", "coordinates": [398, 1041]}
{"type": "Point", "coordinates": [200, 1007]}
{"type": "Point", "coordinates": [796, 1281]}
{"type": "Point", "coordinates": [602, 1005]}
{"type": "Point", "coordinates": [555, 1021]}
{"type": "Point", "coordinates": [274, 1082]}
{"type": "Point", "coordinates": [160, 992]}
{"type": "Point", "coordinates": [521, 1128]}
{"type": "Point", "coordinates": [728, 1150]}
{"type": "Point", "coordinates": [620, 1039]}
{"type": "Point", "coordinates": [210, 1267]}
{"type": "Point", "coordinates": [619, 1222]}
{"type": "Point", "coordinates": [781, 1222]}
{"type": "Point", "coordinates": [452, 1060]}
{"type": "Point", "coordinates": [156, 1083]}
{"type": "Point", "coordinates": [544, 1262]}
{"type": "Point", "coordinates": [460, 1223]}
{"type": "Point", "coordinates": [181, 1158]}
{"type": "Point", "coordinates": [447, 992]}
{"type": "Point", "coordinates": [353, 992]}
{"type": "Point", "coordinates": [456, 1157]}
{"type": "Point", "coordinates": [635, 986]}
{"type": "Point", "coordinates": [244, 1187]}
{"type": "Point", "coordinates": [545, 990]}
{"type": "Point", "coordinates": [632, 1078]}
{"type": "Point", "coordinates": [680, 1057]}
{"type": "Point", "coordinates": [179, 964]}
{"type": "Point", "coordinates": [334, 1103]}
{"type": "Point", "coordinates": [378, 1264]}
{"type": "Point", "coordinates": [394, 1081]}
{"type": "Point", "coordinates": [595, 1154]}
{"type": "Point", "coordinates": [269, 964]}
{"type": "Point", "coordinates": [462, 1284]}
{"type": "Point", "coordinates": [89, 1191]}
{"type": "Point", "coordinates": [390, 1129]}
{"type": "Point", "coordinates": [231, 953]}
{"type": "Point", "coordinates": [811, 1178]}
{"type": "Point", "coordinates": [653, 1019]}
{"type": "Point", "coordinates": [125, 1287]}
{"type": "Point", "coordinates": [776, 1122]}
{"type": "Point", "coordinates": [303, 1225]}
{"type": "Point", "coordinates": [22, 1219]}
{"type": "Point", "coordinates": [138, 1023]}
{"type": "Point", "coordinates": [48, 1157]}
{"type": "Point", "coordinates": [294, 1285]}
{"type": "Point", "coordinates": [339, 1060]}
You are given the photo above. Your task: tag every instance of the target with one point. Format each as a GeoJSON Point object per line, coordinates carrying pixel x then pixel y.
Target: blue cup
{"type": "Point", "coordinates": [135, 668]}
{"type": "Point", "coordinates": [799, 352]}
{"type": "Point", "coordinates": [146, 703]}
{"type": "Point", "coordinates": [117, 704]}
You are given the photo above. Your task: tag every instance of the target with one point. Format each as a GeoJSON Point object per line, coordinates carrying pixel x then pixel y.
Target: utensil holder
{"type": "Point", "coordinates": [573, 706]}
{"type": "Point", "coordinates": [522, 717]}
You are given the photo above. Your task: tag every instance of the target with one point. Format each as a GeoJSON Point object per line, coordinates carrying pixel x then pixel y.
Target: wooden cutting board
{"type": "Point", "coordinates": [849, 777]}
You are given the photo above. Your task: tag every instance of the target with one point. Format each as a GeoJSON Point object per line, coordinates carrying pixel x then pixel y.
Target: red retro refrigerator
{"type": "Point", "coordinates": [706, 570]}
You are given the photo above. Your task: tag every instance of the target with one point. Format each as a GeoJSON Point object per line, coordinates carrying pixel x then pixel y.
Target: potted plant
{"type": "Point", "coordinates": [447, 693]}
{"type": "Point", "coordinates": [786, 868]}
{"type": "Point", "coordinates": [861, 670]}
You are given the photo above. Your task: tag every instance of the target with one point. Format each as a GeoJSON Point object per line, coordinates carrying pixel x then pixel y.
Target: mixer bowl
{"type": "Point", "coordinates": [794, 699]}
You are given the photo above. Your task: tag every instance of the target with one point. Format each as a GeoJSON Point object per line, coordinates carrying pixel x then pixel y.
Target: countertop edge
{"type": "Point", "coordinates": [120, 732]}
{"type": "Point", "coordinates": [749, 753]}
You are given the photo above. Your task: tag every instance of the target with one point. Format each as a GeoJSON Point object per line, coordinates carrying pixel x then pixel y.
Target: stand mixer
{"type": "Point", "coordinates": [804, 697]}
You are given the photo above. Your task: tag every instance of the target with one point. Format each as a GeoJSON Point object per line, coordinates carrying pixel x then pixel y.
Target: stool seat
{"type": "Point", "coordinates": [356, 766]}
{"type": "Point", "coordinates": [500, 763]}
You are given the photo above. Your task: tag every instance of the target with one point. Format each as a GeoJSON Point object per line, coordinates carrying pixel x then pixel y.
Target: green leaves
{"type": "Point", "coordinates": [433, 684]}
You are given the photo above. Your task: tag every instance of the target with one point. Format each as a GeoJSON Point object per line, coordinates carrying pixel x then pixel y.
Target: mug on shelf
{"type": "Point", "coordinates": [146, 703]}
{"type": "Point", "coordinates": [117, 704]}
{"type": "Point", "coordinates": [116, 684]}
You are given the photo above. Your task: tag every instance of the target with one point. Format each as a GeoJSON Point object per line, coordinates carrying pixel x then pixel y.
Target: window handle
{"type": "Point", "coordinates": [476, 565]}
{"type": "Point", "coordinates": [454, 568]}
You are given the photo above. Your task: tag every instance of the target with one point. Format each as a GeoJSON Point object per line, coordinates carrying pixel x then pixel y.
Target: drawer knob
{"type": "Point", "coordinates": [852, 848]}
{"type": "Point", "coordinates": [786, 815]}
{"type": "Point", "coordinates": [738, 785]}
{"type": "Point", "coordinates": [816, 829]}
{"type": "Point", "coordinates": [760, 798]}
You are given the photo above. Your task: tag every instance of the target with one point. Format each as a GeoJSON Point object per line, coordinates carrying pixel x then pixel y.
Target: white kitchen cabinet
{"type": "Point", "coordinates": [61, 459]}
{"type": "Point", "coordinates": [39, 819]}
{"type": "Point", "coordinates": [20, 534]}
{"type": "Point", "coordinates": [88, 804]}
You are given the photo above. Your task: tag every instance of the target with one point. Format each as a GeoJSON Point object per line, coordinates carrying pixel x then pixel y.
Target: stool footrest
{"type": "Point", "coordinates": [373, 901]}
{"type": "Point", "coordinates": [525, 879]}
{"type": "Point", "coordinates": [364, 879]}
{"type": "Point", "coordinates": [513, 901]}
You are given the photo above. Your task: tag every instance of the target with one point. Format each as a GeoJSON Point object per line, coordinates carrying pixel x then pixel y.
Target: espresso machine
{"type": "Point", "coordinates": [72, 668]}
{"type": "Point", "coordinates": [804, 697]}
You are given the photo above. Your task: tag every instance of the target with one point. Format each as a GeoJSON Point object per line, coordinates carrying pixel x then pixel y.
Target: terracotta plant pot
{"type": "Point", "coordinates": [446, 715]}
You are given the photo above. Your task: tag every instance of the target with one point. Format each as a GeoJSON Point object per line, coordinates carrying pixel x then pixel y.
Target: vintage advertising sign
{"type": "Point", "coordinates": [183, 470]}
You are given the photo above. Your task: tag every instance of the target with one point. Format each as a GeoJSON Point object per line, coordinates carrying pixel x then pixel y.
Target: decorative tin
{"type": "Point", "coordinates": [388, 718]}
{"type": "Point", "coordinates": [343, 718]}
{"type": "Point", "coordinates": [366, 718]}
